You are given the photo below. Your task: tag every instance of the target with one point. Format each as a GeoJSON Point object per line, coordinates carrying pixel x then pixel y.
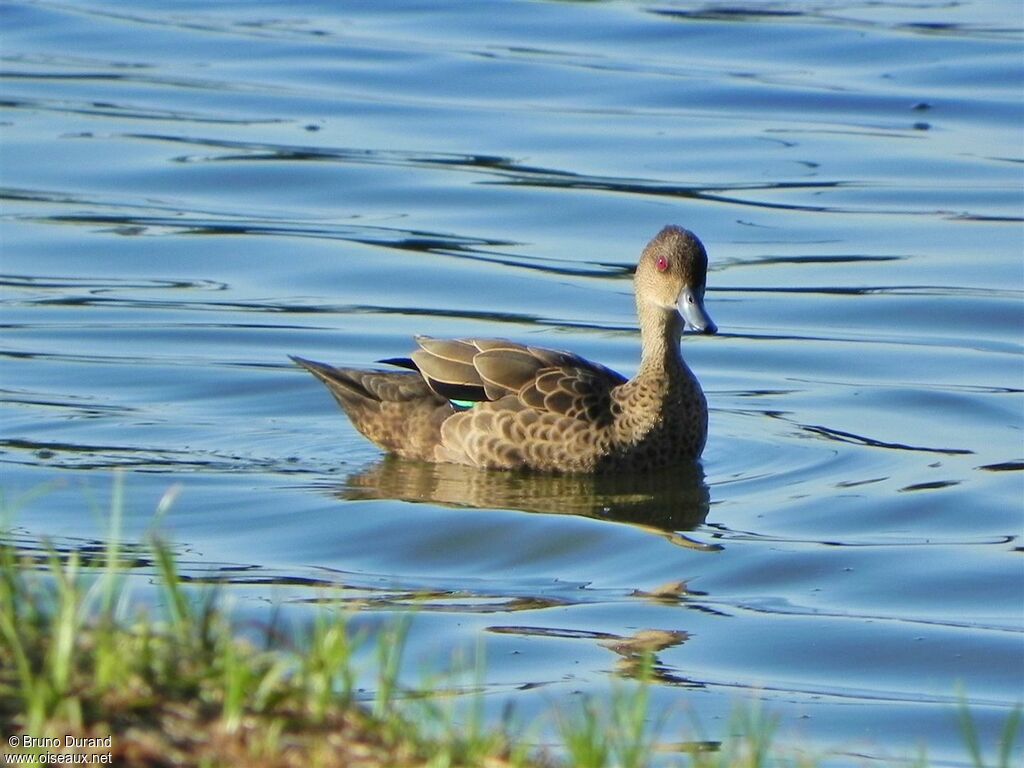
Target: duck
{"type": "Point", "coordinates": [500, 405]}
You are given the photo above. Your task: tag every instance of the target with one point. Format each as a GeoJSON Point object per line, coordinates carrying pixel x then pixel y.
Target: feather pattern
{"type": "Point", "coordinates": [547, 409]}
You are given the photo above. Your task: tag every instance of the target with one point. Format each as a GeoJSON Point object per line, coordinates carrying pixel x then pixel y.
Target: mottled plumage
{"type": "Point", "coordinates": [543, 409]}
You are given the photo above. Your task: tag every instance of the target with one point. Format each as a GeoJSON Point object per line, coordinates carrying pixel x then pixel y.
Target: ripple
{"type": "Point", "coordinates": [106, 284]}
{"type": "Point", "coordinates": [114, 110]}
{"type": "Point", "coordinates": [85, 456]}
{"type": "Point", "coordinates": [173, 226]}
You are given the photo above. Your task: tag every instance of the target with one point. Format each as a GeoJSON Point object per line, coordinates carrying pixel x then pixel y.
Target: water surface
{"type": "Point", "coordinates": [193, 192]}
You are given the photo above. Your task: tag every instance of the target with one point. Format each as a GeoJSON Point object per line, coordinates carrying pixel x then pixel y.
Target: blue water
{"type": "Point", "coordinates": [193, 191]}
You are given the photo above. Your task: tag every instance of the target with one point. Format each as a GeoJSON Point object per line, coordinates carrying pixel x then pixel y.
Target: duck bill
{"type": "Point", "coordinates": [695, 317]}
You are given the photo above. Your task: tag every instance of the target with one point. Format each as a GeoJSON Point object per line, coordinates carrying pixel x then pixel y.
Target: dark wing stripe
{"type": "Point", "coordinates": [401, 362]}
{"type": "Point", "coordinates": [458, 391]}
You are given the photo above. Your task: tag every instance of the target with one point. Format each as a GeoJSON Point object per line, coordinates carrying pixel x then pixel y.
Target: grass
{"type": "Point", "coordinates": [78, 656]}
{"type": "Point", "coordinates": [183, 689]}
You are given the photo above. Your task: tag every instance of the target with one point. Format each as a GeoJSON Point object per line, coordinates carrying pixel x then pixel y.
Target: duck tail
{"type": "Point", "coordinates": [342, 384]}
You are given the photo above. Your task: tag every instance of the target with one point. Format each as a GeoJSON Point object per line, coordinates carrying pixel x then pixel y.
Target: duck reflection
{"type": "Point", "coordinates": [638, 653]}
{"type": "Point", "coordinates": [666, 502]}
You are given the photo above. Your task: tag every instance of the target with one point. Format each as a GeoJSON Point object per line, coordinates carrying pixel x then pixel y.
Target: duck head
{"type": "Point", "coordinates": [672, 275]}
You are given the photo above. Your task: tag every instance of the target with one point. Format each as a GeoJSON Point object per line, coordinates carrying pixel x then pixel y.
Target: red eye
{"type": "Point", "coordinates": [662, 263]}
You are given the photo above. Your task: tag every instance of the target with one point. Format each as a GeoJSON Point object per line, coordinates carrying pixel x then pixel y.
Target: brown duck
{"type": "Point", "coordinates": [534, 408]}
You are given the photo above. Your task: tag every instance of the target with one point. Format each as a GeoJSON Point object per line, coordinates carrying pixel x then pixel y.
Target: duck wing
{"type": "Point", "coordinates": [490, 369]}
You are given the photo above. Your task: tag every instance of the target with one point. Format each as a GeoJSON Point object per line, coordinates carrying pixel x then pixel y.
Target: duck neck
{"type": "Point", "coordinates": [660, 333]}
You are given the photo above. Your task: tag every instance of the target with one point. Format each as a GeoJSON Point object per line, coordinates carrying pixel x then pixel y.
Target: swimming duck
{"type": "Point", "coordinates": [500, 405]}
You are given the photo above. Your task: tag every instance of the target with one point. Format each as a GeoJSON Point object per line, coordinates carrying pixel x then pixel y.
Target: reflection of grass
{"type": "Point", "coordinates": [77, 657]}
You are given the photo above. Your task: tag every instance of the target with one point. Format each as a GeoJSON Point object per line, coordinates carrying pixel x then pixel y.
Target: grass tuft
{"type": "Point", "coordinates": [972, 740]}
{"type": "Point", "coordinates": [182, 688]}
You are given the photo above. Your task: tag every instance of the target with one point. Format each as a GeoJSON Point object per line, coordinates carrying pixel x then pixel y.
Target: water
{"type": "Point", "coordinates": [190, 193]}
